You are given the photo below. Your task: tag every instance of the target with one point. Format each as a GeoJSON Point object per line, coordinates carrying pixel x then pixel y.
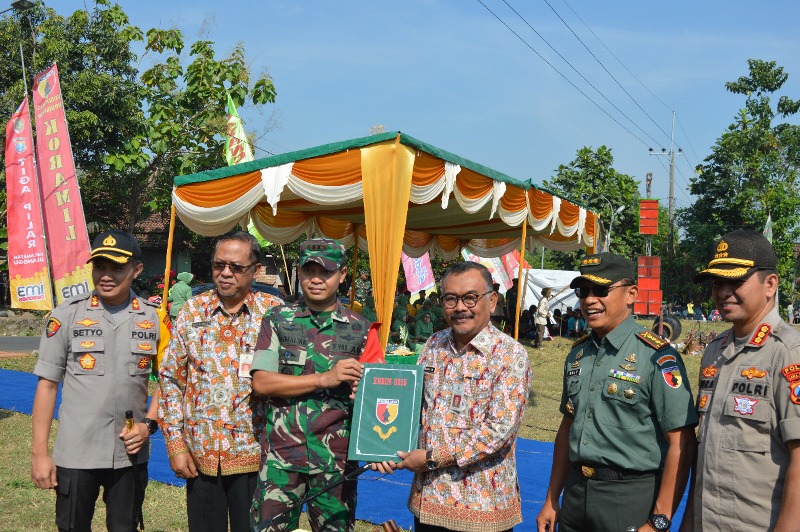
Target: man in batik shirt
{"type": "Point", "coordinates": [211, 421]}
{"type": "Point", "coordinates": [307, 360]}
{"type": "Point", "coordinates": [476, 387]}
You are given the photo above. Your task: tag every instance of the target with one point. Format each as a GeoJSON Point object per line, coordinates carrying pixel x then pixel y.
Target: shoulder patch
{"type": "Point", "coordinates": [652, 339]}
{"type": "Point", "coordinates": [581, 339]}
{"type": "Point", "coordinates": [53, 325]}
{"type": "Point", "coordinates": [666, 358]}
{"type": "Point", "coordinates": [761, 334]}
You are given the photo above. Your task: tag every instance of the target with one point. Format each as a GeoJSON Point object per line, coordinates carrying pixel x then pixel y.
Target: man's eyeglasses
{"type": "Point", "coordinates": [599, 291]}
{"type": "Point", "coordinates": [469, 300]}
{"type": "Point", "coordinates": [236, 269]}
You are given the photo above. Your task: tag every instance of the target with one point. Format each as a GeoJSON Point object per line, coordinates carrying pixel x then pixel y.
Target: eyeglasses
{"type": "Point", "coordinates": [236, 269]}
{"type": "Point", "coordinates": [469, 300]}
{"type": "Point", "coordinates": [599, 291]}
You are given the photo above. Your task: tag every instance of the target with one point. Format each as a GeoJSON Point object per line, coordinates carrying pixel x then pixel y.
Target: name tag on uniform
{"type": "Point", "coordinates": [457, 401]}
{"type": "Point", "coordinates": [245, 364]}
{"type": "Point", "coordinates": [573, 372]}
{"type": "Point", "coordinates": [201, 324]}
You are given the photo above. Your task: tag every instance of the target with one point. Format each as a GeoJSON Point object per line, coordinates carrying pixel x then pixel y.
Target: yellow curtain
{"type": "Point", "coordinates": [334, 170]}
{"type": "Point", "coordinates": [386, 179]}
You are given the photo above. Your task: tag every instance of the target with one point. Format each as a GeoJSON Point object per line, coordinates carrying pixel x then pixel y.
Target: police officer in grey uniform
{"type": "Point", "coordinates": [748, 460]}
{"type": "Point", "coordinates": [100, 345]}
{"type": "Point", "coordinates": [626, 441]}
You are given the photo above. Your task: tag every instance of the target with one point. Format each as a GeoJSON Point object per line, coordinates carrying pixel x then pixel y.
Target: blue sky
{"type": "Point", "coordinates": [449, 73]}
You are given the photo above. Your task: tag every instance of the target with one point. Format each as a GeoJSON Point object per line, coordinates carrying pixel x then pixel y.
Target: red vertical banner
{"type": "Point", "coordinates": [67, 239]}
{"type": "Point", "coordinates": [28, 275]}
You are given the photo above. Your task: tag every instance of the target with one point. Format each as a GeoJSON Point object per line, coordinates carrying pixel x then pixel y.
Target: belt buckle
{"type": "Point", "coordinates": [587, 471]}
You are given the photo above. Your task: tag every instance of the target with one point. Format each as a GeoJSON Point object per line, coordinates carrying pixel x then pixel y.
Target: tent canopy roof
{"type": "Point", "coordinates": [453, 202]}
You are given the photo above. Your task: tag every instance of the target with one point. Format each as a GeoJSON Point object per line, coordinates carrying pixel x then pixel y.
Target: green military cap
{"type": "Point", "coordinates": [117, 246]}
{"type": "Point", "coordinates": [325, 251]}
{"type": "Point", "coordinates": [604, 269]}
{"type": "Point", "coordinates": [738, 255]}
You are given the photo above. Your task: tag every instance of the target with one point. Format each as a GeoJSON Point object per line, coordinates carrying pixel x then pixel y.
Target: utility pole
{"type": "Point", "coordinates": [671, 154]}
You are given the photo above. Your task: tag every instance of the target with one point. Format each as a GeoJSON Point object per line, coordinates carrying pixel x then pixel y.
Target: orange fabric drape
{"type": "Point", "coordinates": [569, 213]}
{"type": "Point", "coordinates": [332, 170]}
{"type": "Point", "coordinates": [386, 170]}
{"type": "Point", "coordinates": [513, 200]}
{"type": "Point", "coordinates": [283, 219]}
{"type": "Point", "coordinates": [541, 203]}
{"type": "Point", "coordinates": [473, 185]}
{"type": "Point", "coordinates": [416, 239]}
{"type": "Point", "coordinates": [448, 243]}
{"type": "Point", "coordinates": [427, 169]}
{"type": "Point", "coordinates": [218, 191]}
{"type": "Point", "coordinates": [334, 228]}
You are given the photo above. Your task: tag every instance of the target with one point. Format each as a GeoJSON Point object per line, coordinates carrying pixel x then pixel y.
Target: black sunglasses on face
{"type": "Point", "coordinates": [236, 269]}
{"type": "Point", "coordinates": [599, 291]}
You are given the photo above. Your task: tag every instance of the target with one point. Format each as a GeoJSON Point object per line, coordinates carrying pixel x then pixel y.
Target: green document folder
{"type": "Point", "coordinates": [386, 412]}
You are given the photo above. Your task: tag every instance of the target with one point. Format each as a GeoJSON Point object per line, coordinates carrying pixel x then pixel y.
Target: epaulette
{"type": "Point", "coordinates": [652, 339]}
{"type": "Point", "coordinates": [149, 303]}
{"type": "Point", "coordinates": [581, 339]}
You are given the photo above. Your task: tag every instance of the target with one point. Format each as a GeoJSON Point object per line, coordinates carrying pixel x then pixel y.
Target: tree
{"type": "Point", "coordinates": [752, 173]}
{"type": "Point", "coordinates": [591, 180]}
{"type": "Point", "coordinates": [132, 131]}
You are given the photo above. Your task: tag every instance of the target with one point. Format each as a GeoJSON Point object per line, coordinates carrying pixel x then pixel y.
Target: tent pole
{"type": "Point", "coordinates": [286, 269]}
{"type": "Point", "coordinates": [168, 261]}
{"type": "Point", "coordinates": [519, 277]}
{"type": "Point", "coordinates": [355, 270]}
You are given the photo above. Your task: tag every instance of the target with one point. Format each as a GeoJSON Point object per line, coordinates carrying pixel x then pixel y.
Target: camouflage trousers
{"type": "Point", "coordinates": [277, 490]}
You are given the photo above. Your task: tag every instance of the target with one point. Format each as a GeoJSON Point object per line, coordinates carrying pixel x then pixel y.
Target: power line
{"type": "Point", "coordinates": [687, 139]}
{"type": "Point", "coordinates": [618, 59]}
{"type": "Point", "coordinates": [573, 68]}
{"type": "Point", "coordinates": [561, 74]}
{"type": "Point", "coordinates": [604, 68]}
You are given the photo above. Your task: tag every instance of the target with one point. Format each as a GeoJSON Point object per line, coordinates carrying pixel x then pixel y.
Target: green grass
{"type": "Point", "coordinates": [23, 507]}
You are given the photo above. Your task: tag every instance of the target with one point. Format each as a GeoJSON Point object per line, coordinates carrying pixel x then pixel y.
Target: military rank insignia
{"type": "Point", "coordinates": [144, 363]}
{"type": "Point", "coordinates": [53, 325]}
{"type": "Point", "coordinates": [95, 302]}
{"type": "Point", "coordinates": [652, 339]}
{"type": "Point", "coordinates": [761, 334]}
{"type": "Point", "coordinates": [135, 304]}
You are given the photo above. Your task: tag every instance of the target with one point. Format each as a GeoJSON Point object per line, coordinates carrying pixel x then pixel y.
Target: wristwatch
{"type": "Point", "coordinates": [430, 463]}
{"type": "Point", "coordinates": [660, 522]}
{"type": "Point", "coordinates": [152, 425]}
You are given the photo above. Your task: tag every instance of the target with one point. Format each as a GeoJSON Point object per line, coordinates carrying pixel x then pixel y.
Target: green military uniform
{"type": "Point", "coordinates": [623, 393]}
{"type": "Point", "coordinates": [423, 329]}
{"type": "Point", "coordinates": [368, 310]}
{"type": "Point", "coordinates": [622, 390]}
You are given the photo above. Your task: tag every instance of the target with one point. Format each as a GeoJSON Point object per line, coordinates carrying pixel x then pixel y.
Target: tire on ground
{"type": "Point", "coordinates": [671, 328]}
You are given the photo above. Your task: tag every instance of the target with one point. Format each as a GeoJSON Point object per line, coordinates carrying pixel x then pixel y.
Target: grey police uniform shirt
{"type": "Point", "coordinates": [749, 407]}
{"type": "Point", "coordinates": [104, 362]}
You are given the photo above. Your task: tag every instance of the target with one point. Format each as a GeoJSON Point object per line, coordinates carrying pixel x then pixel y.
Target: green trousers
{"type": "Point", "coordinates": [606, 505]}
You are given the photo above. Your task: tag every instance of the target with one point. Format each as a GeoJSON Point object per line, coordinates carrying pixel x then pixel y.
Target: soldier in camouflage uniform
{"type": "Point", "coordinates": [306, 363]}
{"type": "Point", "coordinates": [363, 287]}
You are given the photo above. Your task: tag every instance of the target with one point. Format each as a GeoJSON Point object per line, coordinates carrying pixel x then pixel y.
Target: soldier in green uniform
{"type": "Point", "coordinates": [363, 287]}
{"type": "Point", "coordinates": [626, 441]}
{"type": "Point", "coordinates": [306, 362]}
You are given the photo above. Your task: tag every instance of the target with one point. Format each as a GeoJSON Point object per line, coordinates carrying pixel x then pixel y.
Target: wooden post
{"type": "Point", "coordinates": [168, 261]}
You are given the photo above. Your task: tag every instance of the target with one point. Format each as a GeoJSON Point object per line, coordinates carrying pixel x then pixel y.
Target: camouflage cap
{"type": "Point", "coordinates": [325, 251]}
{"type": "Point", "coordinates": [604, 269]}
{"type": "Point", "coordinates": [738, 255]}
{"type": "Point", "coordinates": [117, 246]}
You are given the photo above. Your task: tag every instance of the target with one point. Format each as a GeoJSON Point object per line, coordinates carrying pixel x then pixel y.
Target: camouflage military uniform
{"type": "Point", "coordinates": [306, 437]}
{"type": "Point", "coordinates": [363, 288]}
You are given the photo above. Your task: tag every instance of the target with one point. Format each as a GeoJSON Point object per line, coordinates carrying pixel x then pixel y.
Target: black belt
{"type": "Point", "coordinates": [610, 473]}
